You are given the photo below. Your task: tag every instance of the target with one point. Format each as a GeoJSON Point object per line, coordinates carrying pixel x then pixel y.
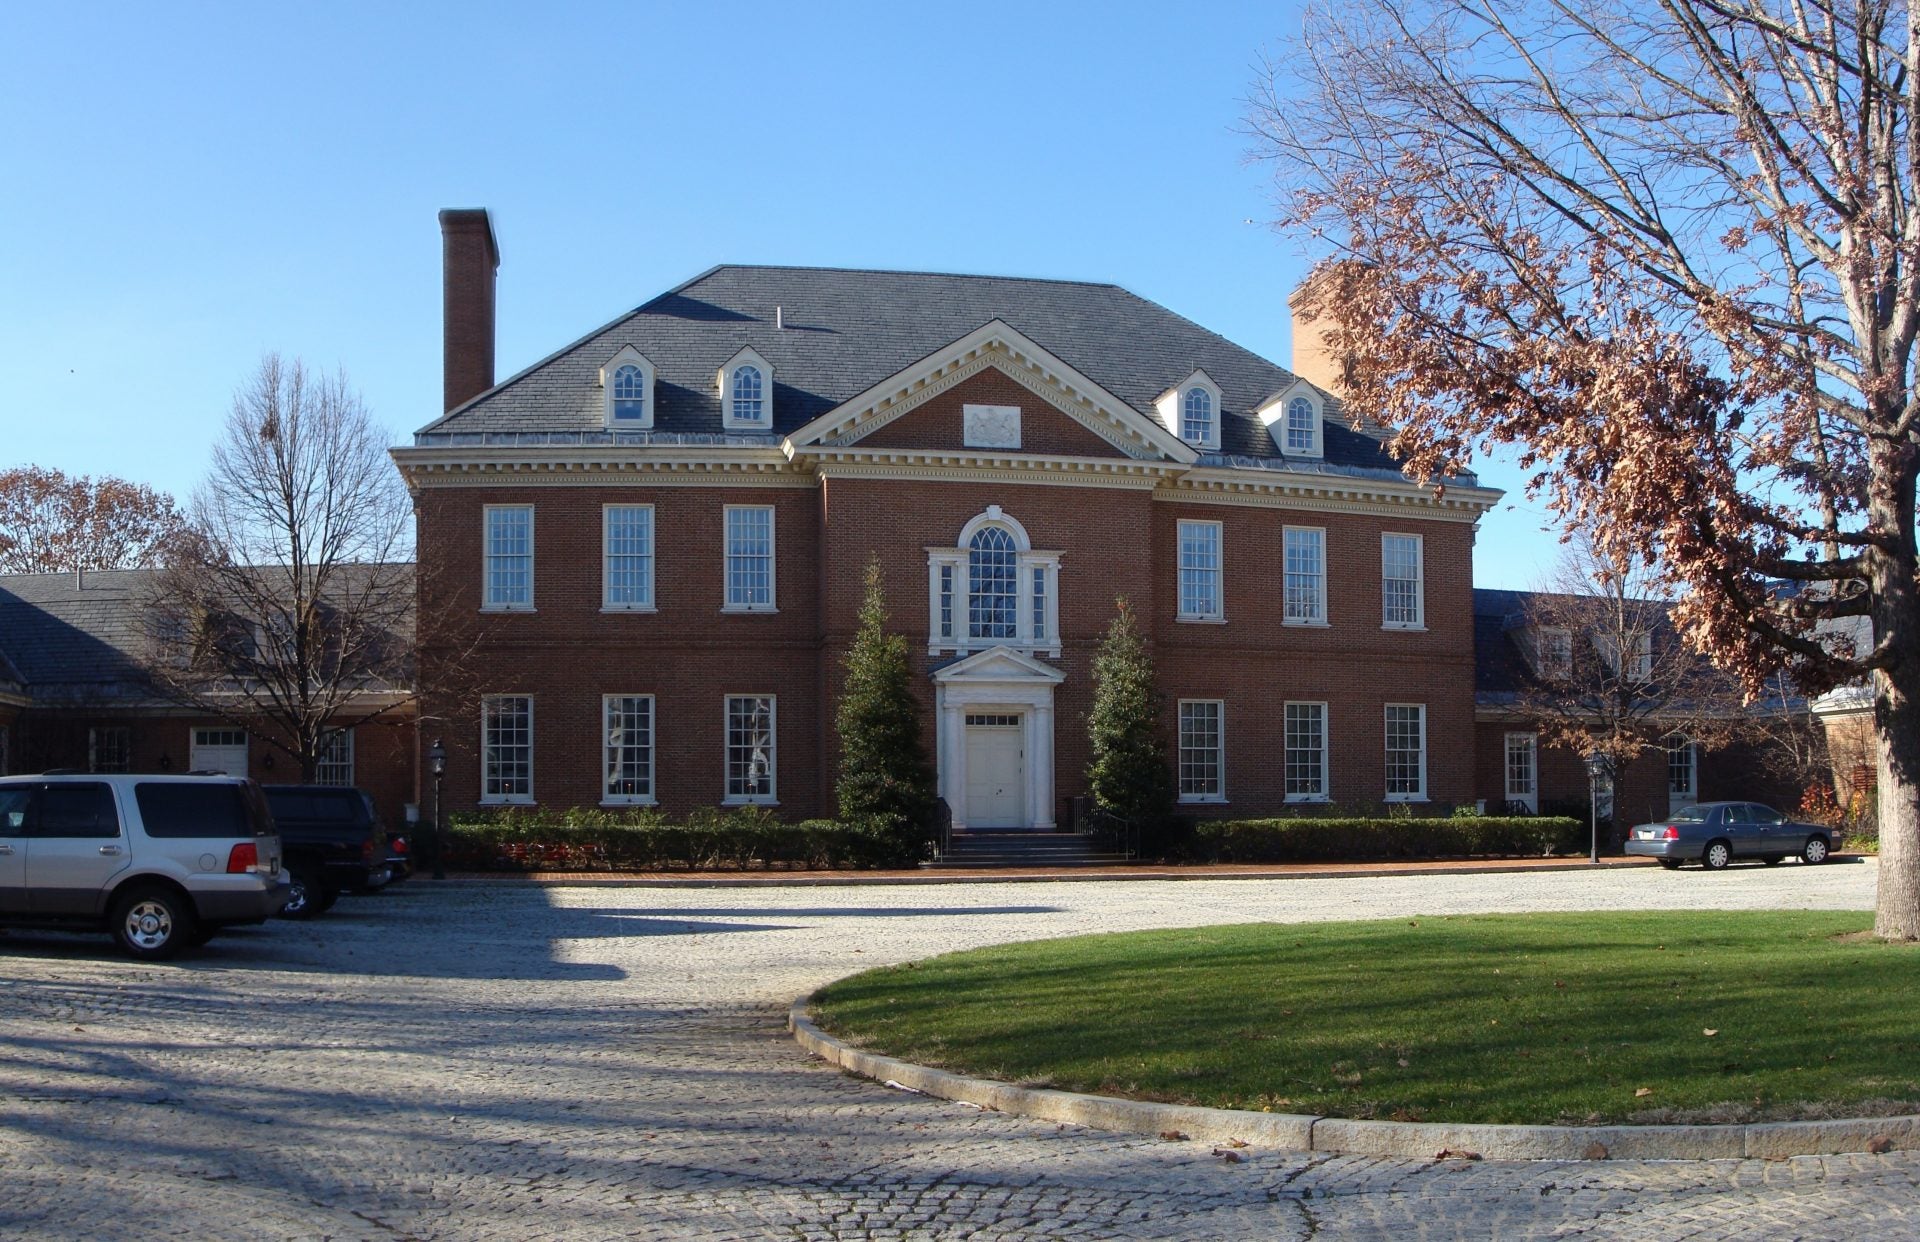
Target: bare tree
{"type": "Point", "coordinates": [287, 605]}
{"type": "Point", "coordinates": [1671, 249]}
{"type": "Point", "coordinates": [1608, 675]}
{"type": "Point", "coordinates": [52, 522]}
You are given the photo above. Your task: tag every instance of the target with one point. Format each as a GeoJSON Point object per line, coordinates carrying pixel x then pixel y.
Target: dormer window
{"type": "Point", "coordinates": [1191, 410]}
{"type": "Point", "coordinates": [1293, 418]}
{"type": "Point", "coordinates": [746, 393]}
{"type": "Point", "coordinates": [1196, 416]}
{"type": "Point", "coordinates": [627, 381]}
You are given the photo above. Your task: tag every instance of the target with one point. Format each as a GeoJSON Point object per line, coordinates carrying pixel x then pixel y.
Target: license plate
{"type": "Point", "coordinates": [1643, 834]}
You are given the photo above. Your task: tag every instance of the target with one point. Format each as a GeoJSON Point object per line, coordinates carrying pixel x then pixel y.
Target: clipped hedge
{"type": "Point", "coordinates": [1361, 840]}
{"type": "Point", "coordinates": [591, 839]}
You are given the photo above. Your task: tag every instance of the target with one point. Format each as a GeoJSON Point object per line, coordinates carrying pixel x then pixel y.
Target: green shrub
{"type": "Point", "coordinates": [642, 839]}
{"type": "Point", "coordinates": [1356, 840]}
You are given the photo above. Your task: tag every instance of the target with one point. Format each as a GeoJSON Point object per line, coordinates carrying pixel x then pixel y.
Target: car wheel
{"type": "Point", "coordinates": [309, 894]}
{"type": "Point", "coordinates": [1815, 850]}
{"type": "Point", "coordinates": [153, 924]}
{"type": "Point", "coordinates": [1671, 864]}
{"type": "Point", "coordinates": [1717, 856]}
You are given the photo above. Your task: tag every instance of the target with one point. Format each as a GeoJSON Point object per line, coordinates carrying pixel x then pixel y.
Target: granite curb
{"type": "Point", "coordinates": [1301, 1132]}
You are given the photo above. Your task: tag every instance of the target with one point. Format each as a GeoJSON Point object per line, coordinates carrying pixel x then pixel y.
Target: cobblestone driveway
{"type": "Point", "coordinates": [594, 1062]}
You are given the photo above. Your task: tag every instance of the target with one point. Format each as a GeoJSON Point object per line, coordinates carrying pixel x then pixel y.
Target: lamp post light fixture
{"type": "Point", "coordinates": [437, 764]}
{"type": "Point", "coordinates": [1596, 768]}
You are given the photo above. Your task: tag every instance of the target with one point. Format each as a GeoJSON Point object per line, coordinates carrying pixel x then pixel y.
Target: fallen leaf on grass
{"type": "Point", "coordinates": [1710, 1032]}
{"type": "Point", "coordinates": [1643, 1091]}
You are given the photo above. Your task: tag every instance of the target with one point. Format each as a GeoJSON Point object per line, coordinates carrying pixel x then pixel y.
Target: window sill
{"type": "Point", "coordinates": [506, 801]}
{"type": "Point", "coordinates": [1406, 798]}
{"type": "Point", "coordinates": [1403, 627]}
{"type": "Point", "coordinates": [749, 802]}
{"type": "Point", "coordinates": [1200, 620]}
{"type": "Point", "coordinates": [618, 802]}
{"type": "Point", "coordinates": [506, 608]}
{"type": "Point", "coordinates": [748, 610]}
{"type": "Point", "coordinates": [1307, 625]}
{"type": "Point", "coordinates": [1307, 799]}
{"type": "Point", "coordinates": [1202, 800]}
{"type": "Point", "coordinates": [615, 608]}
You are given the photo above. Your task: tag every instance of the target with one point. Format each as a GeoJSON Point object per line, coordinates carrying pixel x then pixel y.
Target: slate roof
{"type": "Point", "coordinates": [72, 642]}
{"type": "Point", "coordinates": [847, 330]}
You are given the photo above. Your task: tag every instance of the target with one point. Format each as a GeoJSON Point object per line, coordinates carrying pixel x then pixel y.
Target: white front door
{"type": "Point", "coordinates": [996, 771]}
{"type": "Point", "coordinates": [1523, 782]}
{"type": "Point", "coordinates": [219, 750]}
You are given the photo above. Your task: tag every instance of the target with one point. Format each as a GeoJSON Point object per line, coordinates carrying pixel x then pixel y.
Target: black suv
{"type": "Point", "coordinates": [333, 843]}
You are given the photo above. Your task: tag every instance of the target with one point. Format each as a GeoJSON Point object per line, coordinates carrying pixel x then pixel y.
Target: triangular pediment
{"type": "Point", "coordinates": [999, 345]}
{"type": "Point", "coordinates": [998, 664]}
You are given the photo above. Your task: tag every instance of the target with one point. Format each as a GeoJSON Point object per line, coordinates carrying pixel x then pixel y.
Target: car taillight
{"type": "Point", "coordinates": [398, 845]}
{"type": "Point", "coordinates": [243, 857]}
{"type": "Point", "coordinates": [1671, 834]}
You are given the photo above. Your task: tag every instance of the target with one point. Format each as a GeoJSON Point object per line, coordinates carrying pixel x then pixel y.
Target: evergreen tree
{"type": "Point", "coordinates": [1128, 776]}
{"type": "Point", "coordinates": [884, 773]}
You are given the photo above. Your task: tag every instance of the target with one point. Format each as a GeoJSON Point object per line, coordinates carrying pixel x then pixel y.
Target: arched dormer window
{"type": "Point", "coordinates": [1303, 426]}
{"type": "Point", "coordinates": [1196, 416]}
{"type": "Point", "coordinates": [1293, 417]}
{"type": "Point", "coordinates": [746, 393]}
{"type": "Point", "coordinates": [627, 382]}
{"type": "Point", "coordinates": [992, 588]}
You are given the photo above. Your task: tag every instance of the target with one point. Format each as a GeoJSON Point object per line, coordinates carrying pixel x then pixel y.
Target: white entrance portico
{"type": "Point", "coordinates": [995, 739]}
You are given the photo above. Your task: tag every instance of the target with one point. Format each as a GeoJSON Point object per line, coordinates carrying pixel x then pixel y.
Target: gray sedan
{"type": "Point", "coordinates": [1716, 833]}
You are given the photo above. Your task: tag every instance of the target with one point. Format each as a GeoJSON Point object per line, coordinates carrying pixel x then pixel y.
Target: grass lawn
{"type": "Point", "coordinates": [1558, 1018]}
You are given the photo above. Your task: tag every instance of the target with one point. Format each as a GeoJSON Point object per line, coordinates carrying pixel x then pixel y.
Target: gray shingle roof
{"type": "Point", "coordinates": [69, 641]}
{"type": "Point", "coordinates": [847, 330]}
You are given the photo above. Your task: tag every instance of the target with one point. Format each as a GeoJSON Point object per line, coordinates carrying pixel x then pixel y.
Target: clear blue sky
{"type": "Point", "coordinates": [193, 185]}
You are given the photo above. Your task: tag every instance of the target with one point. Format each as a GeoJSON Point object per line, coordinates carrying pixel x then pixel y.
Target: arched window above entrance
{"type": "Point", "coordinates": [992, 588]}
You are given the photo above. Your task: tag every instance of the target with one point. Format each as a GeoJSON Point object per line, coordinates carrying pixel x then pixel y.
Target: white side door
{"type": "Point", "coordinates": [1523, 771]}
{"type": "Point", "coordinates": [219, 750]}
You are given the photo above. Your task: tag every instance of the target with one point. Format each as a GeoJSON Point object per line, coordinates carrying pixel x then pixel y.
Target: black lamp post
{"type": "Point", "coordinates": [1596, 768]}
{"type": "Point", "coordinates": [437, 764]}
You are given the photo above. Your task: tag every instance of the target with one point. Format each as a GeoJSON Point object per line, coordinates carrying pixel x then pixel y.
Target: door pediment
{"type": "Point", "coordinates": [998, 666]}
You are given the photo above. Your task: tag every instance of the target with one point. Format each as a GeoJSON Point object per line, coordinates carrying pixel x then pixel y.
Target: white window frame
{"type": "Point", "coordinates": [954, 607]}
{"type": "Point", "coordinates": [1419, 621]}
{"type": "Point", "coordinates": [330, 765]}
{"type": "Point", "coordinates": [607, 602]}
{"type": "Point", "coordinates": [1312, 448]}
{"type": "Point", "coordinates": [1172, 406]}
{"type": "Point", "coordinates": [729, 418]}
{"type": "Point", "coordinates": [486, 777]}
{"type": "Point", "coordinates": [1691, 793]}
{"type": "Point", "coordinates": [1387, 751]}
{"type": "Point", "coordinates": [772, 796]}
{"type": "Point", "coordinates": [1216, 572]}
{"type": "Point", "coordinates": [1286, 572]}
{"type": "Point", "coordinates": [1531, 794]}
{"type": "Point", "coordinates": [1608, 646]}
{"type": "Point", "coordinates": [96, 734]}
{"type": "Point", "coordinates": [1287, 748]}
{"type": "Point", "coordinates": [728, 603]}
{"type": "Point", "coordinates": [1553, 652]}
{"type": "Point", "coordinates": [1219, 792]}
{"type": "Point", "coordinates": [607, 759]}
{"type": "Point", "coordinates": [628, 356]}
{"type": "Point", "coordinates": [487, 601]}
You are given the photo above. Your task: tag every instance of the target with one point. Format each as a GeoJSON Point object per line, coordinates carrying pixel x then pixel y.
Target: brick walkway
{"type": "Point", "coordinates": [515, 1060]}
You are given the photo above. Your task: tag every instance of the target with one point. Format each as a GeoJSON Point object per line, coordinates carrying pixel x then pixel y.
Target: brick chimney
{"type": "Point", "coordinates": [469, 260]}
{"type": "Point", "coordinates": [1312, 360]}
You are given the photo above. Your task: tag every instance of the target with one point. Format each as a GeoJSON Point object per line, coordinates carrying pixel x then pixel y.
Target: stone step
{"type": "Point", "coordinates": [1024, 849]}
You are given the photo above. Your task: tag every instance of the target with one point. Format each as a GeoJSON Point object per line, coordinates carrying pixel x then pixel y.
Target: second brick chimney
{"type": "Point", "coordinates": [1313, 360]}
{"type": "Point", "coordinates": [470, 258]}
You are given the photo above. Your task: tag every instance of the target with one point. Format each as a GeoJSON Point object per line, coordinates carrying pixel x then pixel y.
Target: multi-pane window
{"type": "Point", "coordinates": [1683, 771]}
{"type": "Point", "coordinates": [1306, 752]}
{"type": "Point", "coordinates": [1200, 571]}
{"type": "Point", "coordinates": [506, 748]}
{"type": "Point", "coordinates": [1039, 597]}
{"type": "Point", "coordinates": [1303, 426]}
{"type": "Point", "coordinates": [1406, 752]}
{"type": "Point", "coordinates": [945, 626]}
{"type": "Point", "coordinates": [509, 554]}
{"type": "Point", "coordinates": [1201, 762]}
{"type": "Point", "coordinates": [630, 393]}
{"type": "Point", "coordinates": [1400, 593]}
{"type": "Point", "coordinates": [629, 557]}
{"type": "Point", "coordinates": [629, 753]}
{"type": "Point", "coordinates": [1306, 575]}
{"type": "Point", "coordinates": [992, 563]}
{"type": "Point", "coordinates": [334, 764]}
{"type": "Point", "coordinates": [750, 557]}
{"type": "Point", "coordinates": [110, 748]}
{"type": "Point", "coordinates": [1553, 652]}
{"type": "Point", "coordinates": [749, 400]}
{"type": "Point", "coordinates": [1522, 775]}
{"type": "Point", "coordinates": [750, 752]}
{"type": "Point", "coordinates": [1196, 416]}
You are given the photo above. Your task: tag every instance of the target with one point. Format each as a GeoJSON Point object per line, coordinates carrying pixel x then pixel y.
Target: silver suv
{"type": "Point", "coordinates": [162, 862]}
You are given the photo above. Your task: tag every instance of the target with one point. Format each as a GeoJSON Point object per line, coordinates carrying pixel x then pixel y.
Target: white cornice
{"type": "Point", "coordinates": [975, 466]}
{"type": "Point", "coordinates": [997, 344]}
{"type": "Point", "coordinates": [599, 465]}
{"type": "Point", "coordinates": [1326, 493]}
